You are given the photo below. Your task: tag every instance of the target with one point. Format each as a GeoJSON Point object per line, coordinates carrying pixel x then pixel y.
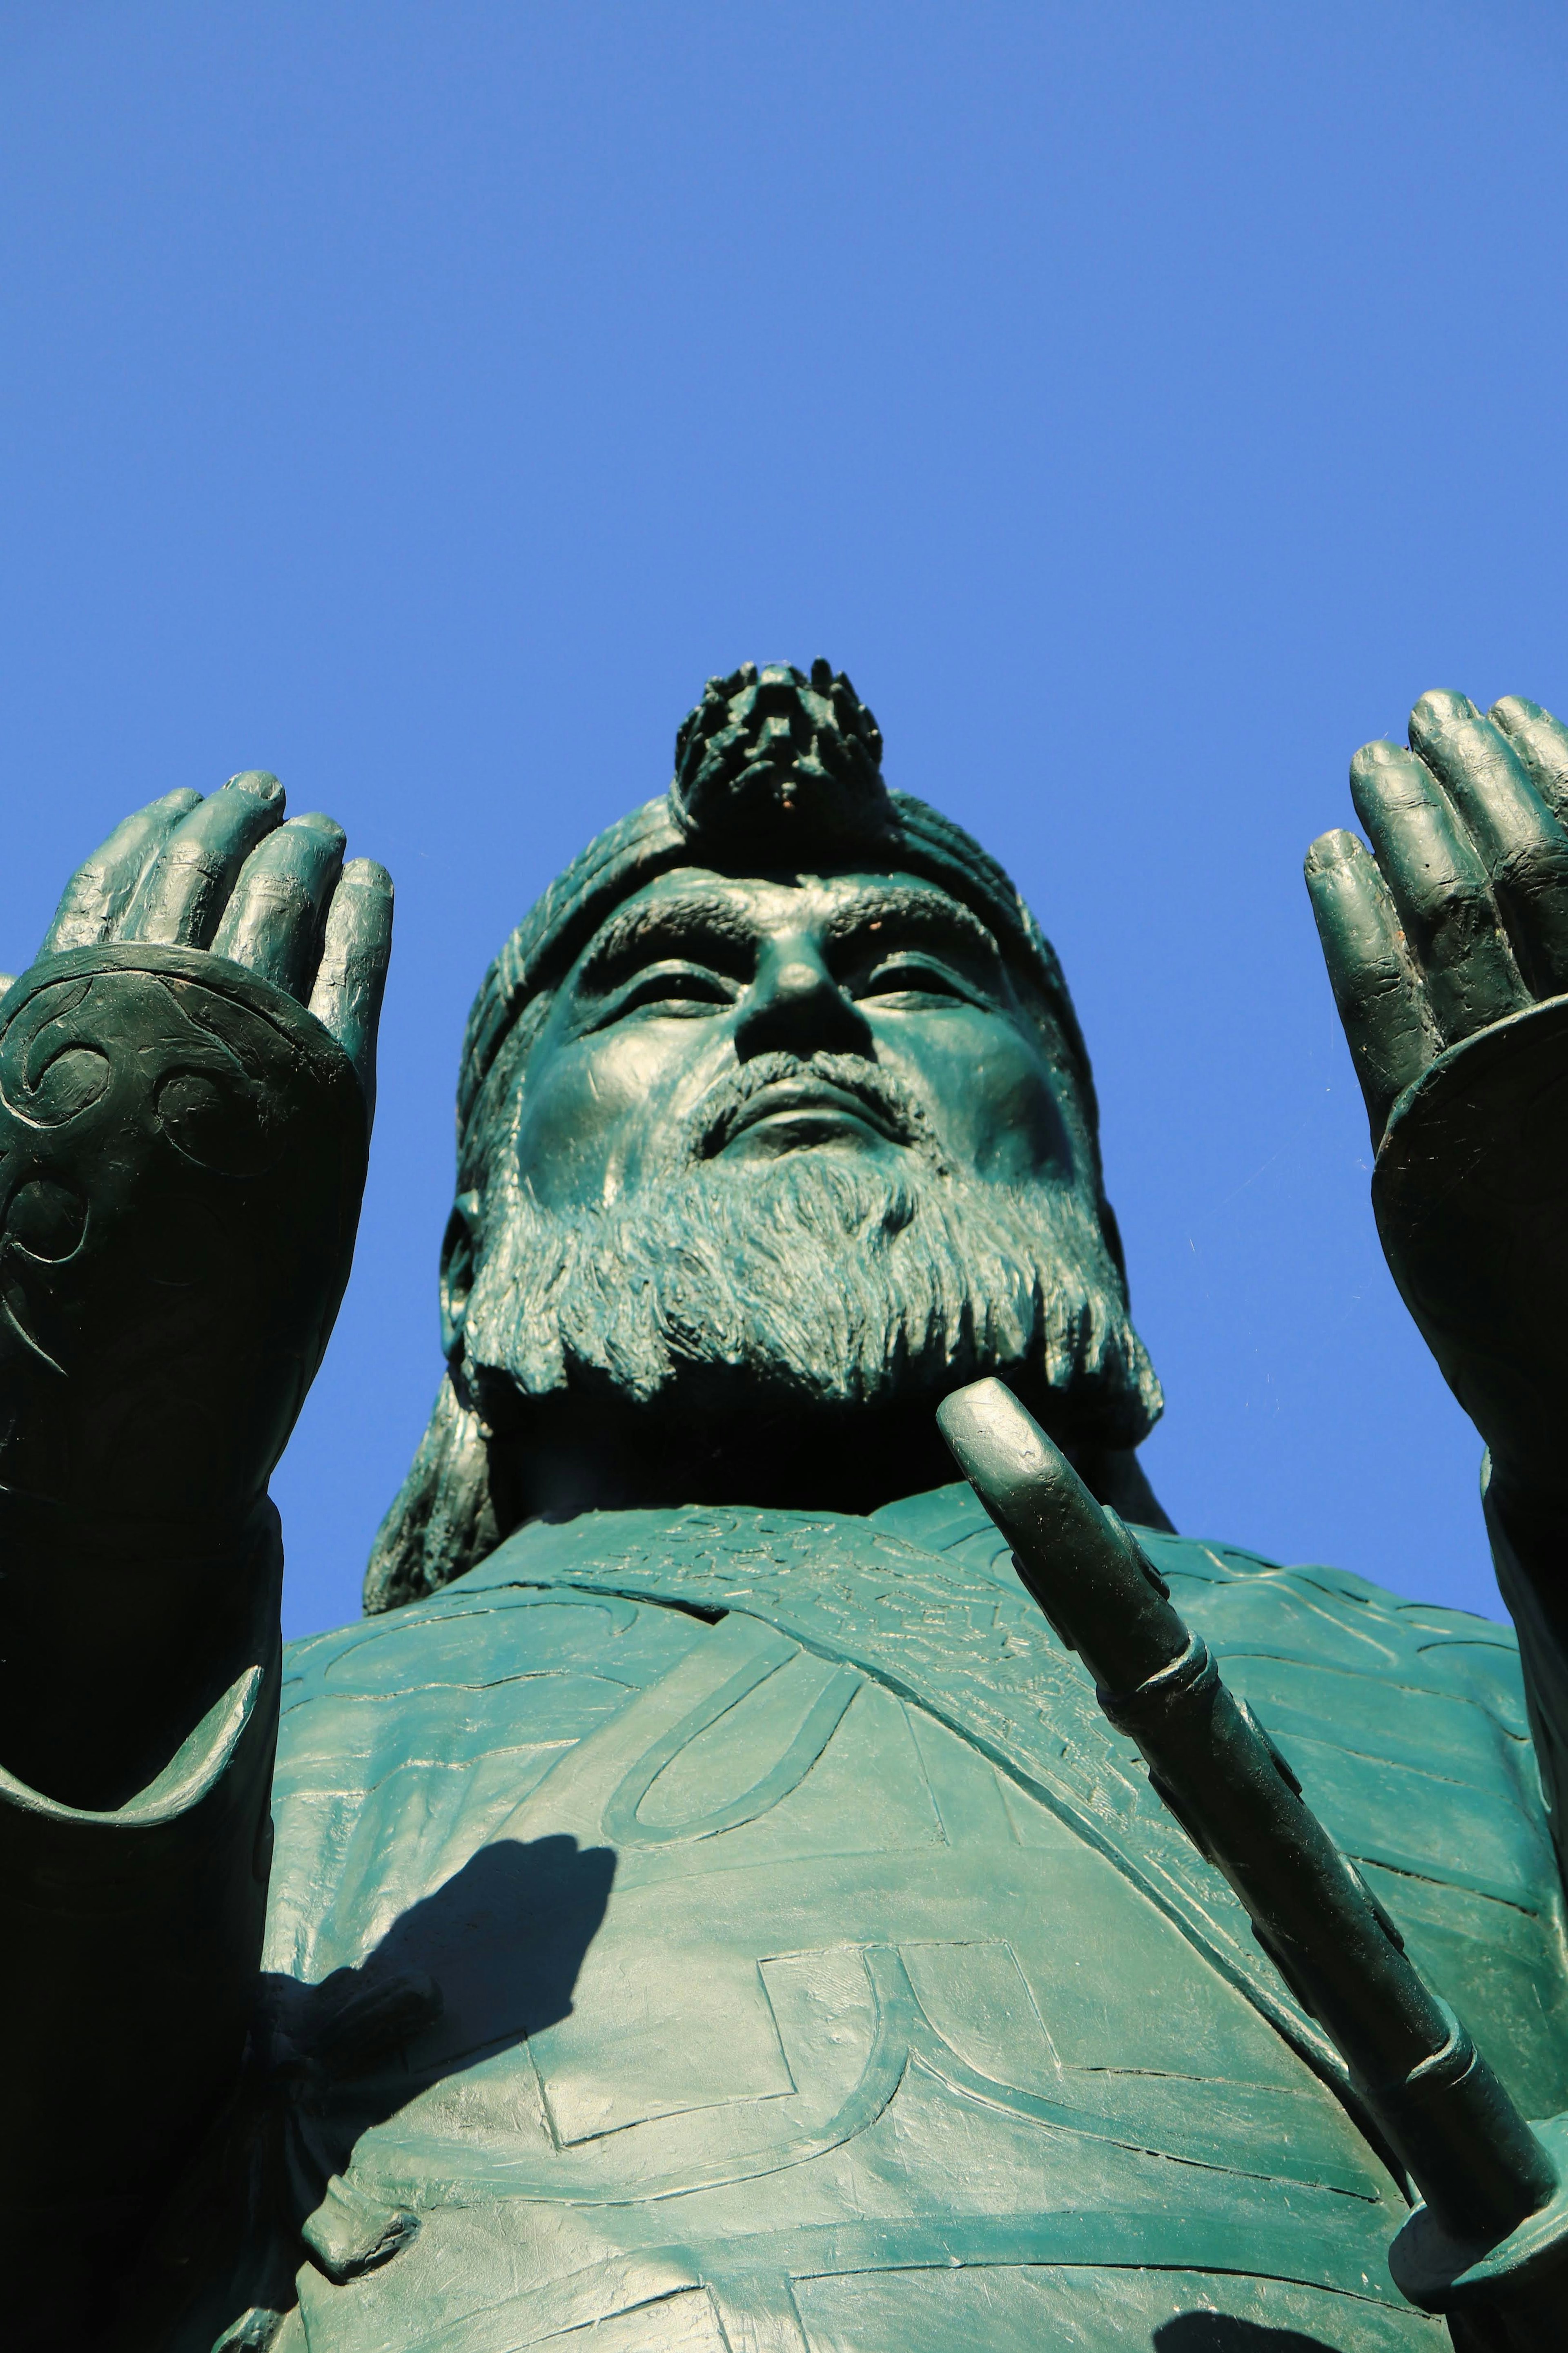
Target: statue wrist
{"type": "Point", "coordinates": [183, 1153]}
{"type": "Point", "coordinates": [1467, 1191]}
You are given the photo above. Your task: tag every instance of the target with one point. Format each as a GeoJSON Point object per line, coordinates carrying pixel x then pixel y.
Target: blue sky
{"type": "Point", "coordinates": [1145, 404]}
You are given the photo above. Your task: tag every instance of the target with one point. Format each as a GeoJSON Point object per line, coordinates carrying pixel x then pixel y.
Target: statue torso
{"type": "Point", "coordinates": [818, 1971]}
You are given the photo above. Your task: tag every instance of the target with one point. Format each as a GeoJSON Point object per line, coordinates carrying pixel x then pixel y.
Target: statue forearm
{"type": "Point", "coordinates": [117, 1639]}
{"type": "Point", "coordinates": [1530, 1549]}
{"type": "Point", "coordinates": [134, 1929]}
{"type": "Point", "coordinates": [183, 1150]}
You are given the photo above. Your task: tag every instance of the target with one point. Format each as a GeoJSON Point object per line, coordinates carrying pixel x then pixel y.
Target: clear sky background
{"type": "Point", "coordinates": [1143, 403]}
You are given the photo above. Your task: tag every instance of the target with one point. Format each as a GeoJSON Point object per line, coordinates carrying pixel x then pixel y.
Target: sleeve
{"type": "Point", "coordinates": [182, 1155]}
{"type": "Point", "coordinates": [128, 1967]}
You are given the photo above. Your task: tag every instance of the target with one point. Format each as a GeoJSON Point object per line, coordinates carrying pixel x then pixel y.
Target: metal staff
{"type": "Point", "coordinates": [1494, 2223]}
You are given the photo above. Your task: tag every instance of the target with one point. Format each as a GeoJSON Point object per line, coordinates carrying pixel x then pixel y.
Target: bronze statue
{"type": "Point", "coordinates": [704, 1904]}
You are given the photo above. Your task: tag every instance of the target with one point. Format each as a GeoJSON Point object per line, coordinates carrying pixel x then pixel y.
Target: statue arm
{"type": "Point", "coordinates": [184, 1087]}
{"type": "Point", "coordinates": [1447, 948]}
{"type": "Point", "coordinates": [1528, 1559]}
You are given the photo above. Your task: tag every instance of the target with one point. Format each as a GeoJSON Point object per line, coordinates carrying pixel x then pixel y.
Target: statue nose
{"type": "Point", "coordinates": [797, 1007]}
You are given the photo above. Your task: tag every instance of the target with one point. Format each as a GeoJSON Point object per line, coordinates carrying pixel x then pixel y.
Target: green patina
{"type": "Point", "coordinates": [702, 1905]}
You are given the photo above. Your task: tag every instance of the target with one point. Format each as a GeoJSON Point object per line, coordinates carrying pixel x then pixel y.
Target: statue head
{"type": "Point", "coordinates": [774, 1124]}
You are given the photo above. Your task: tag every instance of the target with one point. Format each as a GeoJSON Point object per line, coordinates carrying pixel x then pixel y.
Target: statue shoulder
{"type": "Point", "coordinates": [1240, 1600]}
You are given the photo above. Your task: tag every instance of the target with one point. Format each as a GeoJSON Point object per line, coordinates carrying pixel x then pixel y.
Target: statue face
{"type": "Point", "coordinates": [790, 1143]}
{"type": "Point", "coordinates": [686, 1031]}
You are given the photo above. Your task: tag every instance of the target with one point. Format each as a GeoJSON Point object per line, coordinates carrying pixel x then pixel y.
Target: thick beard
{"type": "Point", "coordinates": [824, 1278]}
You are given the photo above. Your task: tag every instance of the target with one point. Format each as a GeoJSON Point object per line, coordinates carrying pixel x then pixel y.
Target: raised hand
{"type": "Point", "coordinates": [230, 874]}
{"type": "Point", "coordinates": [1447, 950]}
{"type": "Point", "coordinates": [1463, 918]}
{"type": "Point", "coordinates": [186, 1075]}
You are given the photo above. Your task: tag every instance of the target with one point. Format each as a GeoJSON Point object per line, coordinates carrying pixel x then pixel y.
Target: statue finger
{"type": "Point", "coordinates": [272, 923]}
{"type": "Point", "coordinates": [1540, 743]}
{"type": "Point", "coordinates": [1388, 1023]}
{"type": "Point", "coordinates": [186, 888]}
{"type": "Point", "coordinates": [1441, 888]}
{"type": "Point", "coordinates": [351, 975]}
{"type": "Point", "coordinates": [1523, 844]}
{"type": "Point", "coordinates": [102, 886]}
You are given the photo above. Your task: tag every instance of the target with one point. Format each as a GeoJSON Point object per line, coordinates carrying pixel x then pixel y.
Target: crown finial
{"type": "Point", "coordinates": [785, 762]}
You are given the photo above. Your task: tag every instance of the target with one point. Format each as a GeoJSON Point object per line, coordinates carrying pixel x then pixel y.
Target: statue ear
{"type": "Point", "coordinates": [460, 1258]}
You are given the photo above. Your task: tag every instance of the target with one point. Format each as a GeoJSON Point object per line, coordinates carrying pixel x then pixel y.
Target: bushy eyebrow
{"type": "Point", "coordinates": [636, 936]}
{"type": "Point", "coordinates": [915, 917]}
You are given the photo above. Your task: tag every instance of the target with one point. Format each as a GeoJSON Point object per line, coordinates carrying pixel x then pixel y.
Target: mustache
{"type": "Point", "coordinates": [893, 1104]}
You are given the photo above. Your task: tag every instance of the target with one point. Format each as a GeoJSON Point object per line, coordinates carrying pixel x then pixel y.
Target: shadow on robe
{"type": "Point", "coordinates": [490, 1958]}
{"type": "Point", "coordinates": [1214, 2332]}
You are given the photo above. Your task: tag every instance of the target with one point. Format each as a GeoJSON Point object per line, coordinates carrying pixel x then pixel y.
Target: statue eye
{"type": "Point", "coordinates": [912, 976]}
{"type": "Point", "coordinates": [677, 989]}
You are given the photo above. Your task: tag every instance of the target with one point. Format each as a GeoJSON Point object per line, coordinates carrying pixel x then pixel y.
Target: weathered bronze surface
{"type": "Point", "coordinates": [704, 1904]}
